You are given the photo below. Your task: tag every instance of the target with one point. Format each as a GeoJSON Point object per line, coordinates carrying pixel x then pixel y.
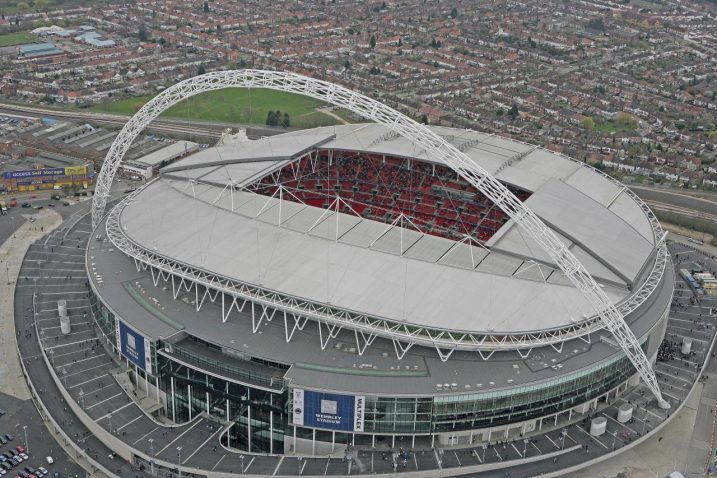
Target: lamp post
{"type": "Point", "coordinates": [525, 446]}
{"type": "Point", "coordinates": [179, 461]}
{"type": "Point", "coordinates": [27, 444]}
{"type": "Point", "coordinates": [241, 457]}
{"type": "Point", "coordinates": [151, 449]}
{"type": "Point", "coordinates": [614, 437]}
{"type": "Point", "coordinates": [484, 448]}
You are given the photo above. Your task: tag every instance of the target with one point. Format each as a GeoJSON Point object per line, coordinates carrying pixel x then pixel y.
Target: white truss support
{"type": "Point", "coordinates": [207, 293]}
{"type": "Point", "coordinates": [234, 304]}
{"type": "Point", "coordinates": [585, 338]}
{"type": "Point", "coordinates": [298, 324]}
{"type": "Point", "coordinates": [365, 341]}
{"type": "Point", "coordinates": [485, 356]}
{"type": "Point", "coordinates": [331, 332]}
{"type": "Point", "coordinates": [425, 139]}
{"type": "Point", "coordinates": [444, 356]}
{"type": "Point", "coordinates": [558, 347]}
{"type": "Point", "coordinates": [524, 355]}
{"type": "Point", "coordinates": [401, 349]}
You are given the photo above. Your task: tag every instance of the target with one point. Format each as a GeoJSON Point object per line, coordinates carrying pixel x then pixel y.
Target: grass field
{"type": "Point", "coordinates": [17, 38]}
{"type": "Point", "coordinates": [235, 105]}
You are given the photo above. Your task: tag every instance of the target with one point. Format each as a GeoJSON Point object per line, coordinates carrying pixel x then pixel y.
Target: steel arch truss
{"type": "Point", "coordinates": [435, 147]}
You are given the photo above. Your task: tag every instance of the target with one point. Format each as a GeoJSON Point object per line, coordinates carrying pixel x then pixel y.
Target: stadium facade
{"type": "Point", "coordinates": [342, 285]}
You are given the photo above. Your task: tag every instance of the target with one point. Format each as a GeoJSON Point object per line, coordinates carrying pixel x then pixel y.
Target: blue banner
{"type": "Point", "coordinates": [134, 346]}
{"type": "Point", "coordinates": [33, 173]}
{"type": "Point", "coordinates": [331, 411]}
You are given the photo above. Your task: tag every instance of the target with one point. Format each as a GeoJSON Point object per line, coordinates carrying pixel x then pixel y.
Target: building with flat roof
{"type": "Point", "coordinates": [37, 50]}
{"type": "Point", "coordinates": [340, 286]}
{"type": "Point", "coordinates": [148, 165]}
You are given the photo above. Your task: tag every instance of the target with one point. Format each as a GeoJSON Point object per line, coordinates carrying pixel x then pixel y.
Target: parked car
{"type": "Point", "coordinates": [10, 437]}
{"type": "Point", "coordinates": [49, 460]}
{"type": "Point", "coordinates": [42, 470]}
{"type": "Point", "coordinates": [20, 449]}
{"type": "Point", "coordinates": [24, 456]}
{"type": "Point", "coordinates": [26, 205]}
{"type": "Point", "coordinates": [51, 204]}
{"type": "Point", "coordinates": [3, 440]}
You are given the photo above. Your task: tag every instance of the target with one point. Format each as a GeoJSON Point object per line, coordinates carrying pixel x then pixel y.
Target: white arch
{"type": "Point", "coordinates": [434, 145]}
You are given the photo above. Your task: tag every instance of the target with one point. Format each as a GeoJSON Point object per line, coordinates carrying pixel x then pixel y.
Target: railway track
{"type": "Point", "coordinates": [171, 126]}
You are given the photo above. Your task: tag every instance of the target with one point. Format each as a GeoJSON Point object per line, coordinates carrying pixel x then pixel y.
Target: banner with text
{"type": "Point", "coordinates": [328, 410]}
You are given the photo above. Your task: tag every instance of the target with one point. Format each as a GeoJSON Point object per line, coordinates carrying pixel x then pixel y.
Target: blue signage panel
{"type": "Point", "coordinates": [133, 345]}
{"type": "Point", "coordinates": [328, 410]}
{"type": "Point", "coordinates": [33, 173]}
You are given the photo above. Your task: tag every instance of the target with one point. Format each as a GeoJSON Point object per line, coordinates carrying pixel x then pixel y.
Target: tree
{"type": "Point", "coordinates": [372, 42]}
{"type": "Point", "coordinates": [588, 123]}
{"type": "Point", "coordinates": [271, 119]}
{"type": "Point", "coordinates": [454, 12]}
{"type": "Point", "coordinates": [206, 7]}
{"type": "Point", "coordinates": [285, 122]}
{"type": "Point", "coordinates": [201, 70]}
{"type": "Point", "coordinates": [424, 119]}
{"type": "Point", "coordinates": [347, 65]}
{"type": "Point", "coordinates": [513, 111]}
{"type": "Point", "coordinates": [142, 33]}
{"type": "Point", "coordinates": [400, 42]}
{"type": "Point", "coordinates": [40, 4]}
{"type": "Point", "coordinates": [219, 29]}
{"type": "Point", "coordinates": [22, 6]}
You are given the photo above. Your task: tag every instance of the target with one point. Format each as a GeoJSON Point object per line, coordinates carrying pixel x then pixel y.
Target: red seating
{"type": "Point", "coordinates": [435, 198]}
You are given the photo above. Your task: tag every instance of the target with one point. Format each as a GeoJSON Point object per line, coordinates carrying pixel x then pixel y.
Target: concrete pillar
{"type": "Point", "coordinates": [313, 441]}
{"type": "Point", "coordinates": [171, 383]}
{"type": "Point", "coordinates": [189, 401]}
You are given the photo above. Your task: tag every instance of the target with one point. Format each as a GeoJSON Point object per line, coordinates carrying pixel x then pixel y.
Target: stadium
{"type": "Point", "coordinates": [377, 284]}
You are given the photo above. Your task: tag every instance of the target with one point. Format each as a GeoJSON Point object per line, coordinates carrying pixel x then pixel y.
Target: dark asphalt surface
{"type": "Point", "coordinates": [19, 413]}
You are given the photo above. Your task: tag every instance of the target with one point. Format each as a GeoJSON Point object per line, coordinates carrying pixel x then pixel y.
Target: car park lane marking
{"type": "Point", "coordinates": [178, 437]}
{"type": "Point", "coordinates": [202, 445]}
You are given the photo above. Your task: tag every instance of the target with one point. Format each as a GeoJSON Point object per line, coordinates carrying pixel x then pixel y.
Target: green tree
{"type": "Point", "coordinates": [201, 70]}
{"type": "Point", "coordinates": [285, 122]}
{"type": "Point", "coordinates": [712, 135]}
{"type": "Point", "coordinates": [372, 42]}
{"type": "Point", "coordinates": [142, 33]}
{"type": "Point", "coordinates": [454, 12]}
{"type": "Point", "coordinates": [588, 123]}
{"type": "Point", "coordinates": [206, 7]}
{"type": "Point", "coordinates": [40, 4]}
{"type": "Point", "coordinates": [22, 6]}
{"type": "Point", "coordinates": [513, 111]}
{"type": "Point", "coordinates": [424, 119]}
{"type": "Point", "coordinates": [400, 42]}
{"type": "Point", "coordinates": [347, 65]}
{"type": "Point", "coordinates": [271, 119]}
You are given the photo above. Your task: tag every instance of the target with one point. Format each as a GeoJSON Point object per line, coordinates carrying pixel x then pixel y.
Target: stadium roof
{"type": "Point", "coordinates": [436, 282]}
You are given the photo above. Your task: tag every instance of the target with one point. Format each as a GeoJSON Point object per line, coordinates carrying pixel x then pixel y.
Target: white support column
{"type": "Point", "coordinates": [248, 422]}
{"type": "Point", "coordinates": [333, 441]}
{"type": "Point", "coordinates": [313, 441]}
{"type": "Point", "coordinates": [189, 401]}
{"type": "Point", "coordinates": [174, 416]}
{"type": "Point", "coordinates": [295, 439]}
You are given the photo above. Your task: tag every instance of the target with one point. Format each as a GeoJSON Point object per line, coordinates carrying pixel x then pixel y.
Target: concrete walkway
{"type": "Point", "coordinates": [12, 253]}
